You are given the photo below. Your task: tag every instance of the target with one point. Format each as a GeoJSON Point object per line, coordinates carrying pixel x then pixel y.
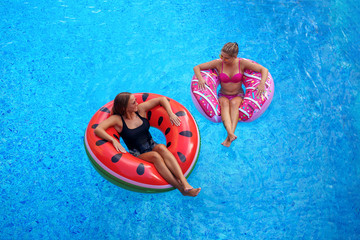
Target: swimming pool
{"type": "Point", "coordinates": [292, 174]}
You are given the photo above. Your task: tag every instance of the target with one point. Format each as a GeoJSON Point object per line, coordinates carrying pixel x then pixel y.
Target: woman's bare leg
{"type": "Point", "coordinates": [159, 163]}
{"type": "Point", "coordinates": [226, 118]}
{"type": "Point", "coordinates": [174, 167]}
{"type": "Point", "coordinates": [234, 112]}
{"type": "Point", "coordinates": [160, 166]}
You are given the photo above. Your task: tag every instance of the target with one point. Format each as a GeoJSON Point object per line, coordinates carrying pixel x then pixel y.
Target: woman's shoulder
{"type": "Point", "coordinates": [141, 112]}
{"type": "Point", "coordinates": [115, 116]}
{"type": "Point", "coordinates": [116, 119]}
{"type": "Point", "coordinates": [243, 63]}
{"type": "Point", "coordinates": [217, 63]}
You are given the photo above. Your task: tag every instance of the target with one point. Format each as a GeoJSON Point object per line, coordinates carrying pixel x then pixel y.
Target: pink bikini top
{"type": "Point", "coordinates": [224, 78]}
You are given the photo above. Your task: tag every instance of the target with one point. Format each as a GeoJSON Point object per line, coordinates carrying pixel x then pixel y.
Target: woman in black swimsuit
{"type": "Point", "coordinates": [129, 119]}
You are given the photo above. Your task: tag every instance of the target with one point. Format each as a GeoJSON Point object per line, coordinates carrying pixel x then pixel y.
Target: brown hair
{"type": "Point", "coordinates": [120, 103]}
{"type": "Point", "coordinates": [231, 48]}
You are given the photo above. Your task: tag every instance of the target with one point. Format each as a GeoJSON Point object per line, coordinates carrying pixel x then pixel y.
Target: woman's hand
{"type": "Point", "coordinates": [260, 89]}
{"type": "Point", "coordinates": [201, 83]}
{"type": "Point", "coordinates": [208, 65]}
{"type": "Point", "coordinates": [174, 119]}
{"type": "Point", "coordinates": [257, 68]}
{"type": "Point", "coordinates": [118, 146]}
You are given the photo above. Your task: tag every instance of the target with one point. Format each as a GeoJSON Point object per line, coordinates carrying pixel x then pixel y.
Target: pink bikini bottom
{"type": "Point", "coordinates": [242, 95]}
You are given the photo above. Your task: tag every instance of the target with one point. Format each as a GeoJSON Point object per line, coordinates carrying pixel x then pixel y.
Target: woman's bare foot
{"type": "Point", "coordinates": [226, 143]}
{"type": "Point", "coordinates": [191, 192]}
{"type": "Point", "coordinates": [232, 137]}
{"type": "Point", "coordinates": [185, 185]}
{"type": "Point", "coordinates": [229, 139]}
{"type": "Point", "coordinates": [187, 189]}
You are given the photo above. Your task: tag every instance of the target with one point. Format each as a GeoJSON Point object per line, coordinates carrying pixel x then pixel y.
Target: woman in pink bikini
{"type": "Point", "coordinates": [231, 94]}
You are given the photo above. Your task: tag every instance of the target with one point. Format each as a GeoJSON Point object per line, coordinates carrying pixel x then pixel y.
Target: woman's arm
{"type": "Point", "coordinates": [100, 131]}
{"type": "Point", "coordinates": [207, 65]}
{"type": "Point", "coordinates": [146, 106]}
{"type": "Point", "coordinates": [257, 68]}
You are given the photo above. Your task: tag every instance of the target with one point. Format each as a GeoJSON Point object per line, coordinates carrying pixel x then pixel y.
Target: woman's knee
{"type": "Point", "coordinates": [224, 102]}
{"type": "Point", "coordinates": [161, 149]}
{"type": "Point", "coordinates": [235, 102]}
{"type": "Point", "coordinates": [155, 157]}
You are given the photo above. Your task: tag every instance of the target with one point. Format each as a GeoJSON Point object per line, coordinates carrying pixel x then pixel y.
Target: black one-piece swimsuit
{"type": "Point", "coordinates": [138, 140]}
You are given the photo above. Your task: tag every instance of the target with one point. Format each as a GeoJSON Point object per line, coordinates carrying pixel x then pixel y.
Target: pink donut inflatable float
{"type": "Point", "coordinates": [251, 108]}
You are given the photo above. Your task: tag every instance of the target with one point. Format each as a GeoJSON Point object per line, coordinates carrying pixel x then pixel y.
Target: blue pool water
{"type": "Point", "coordinates": [292, 174]}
